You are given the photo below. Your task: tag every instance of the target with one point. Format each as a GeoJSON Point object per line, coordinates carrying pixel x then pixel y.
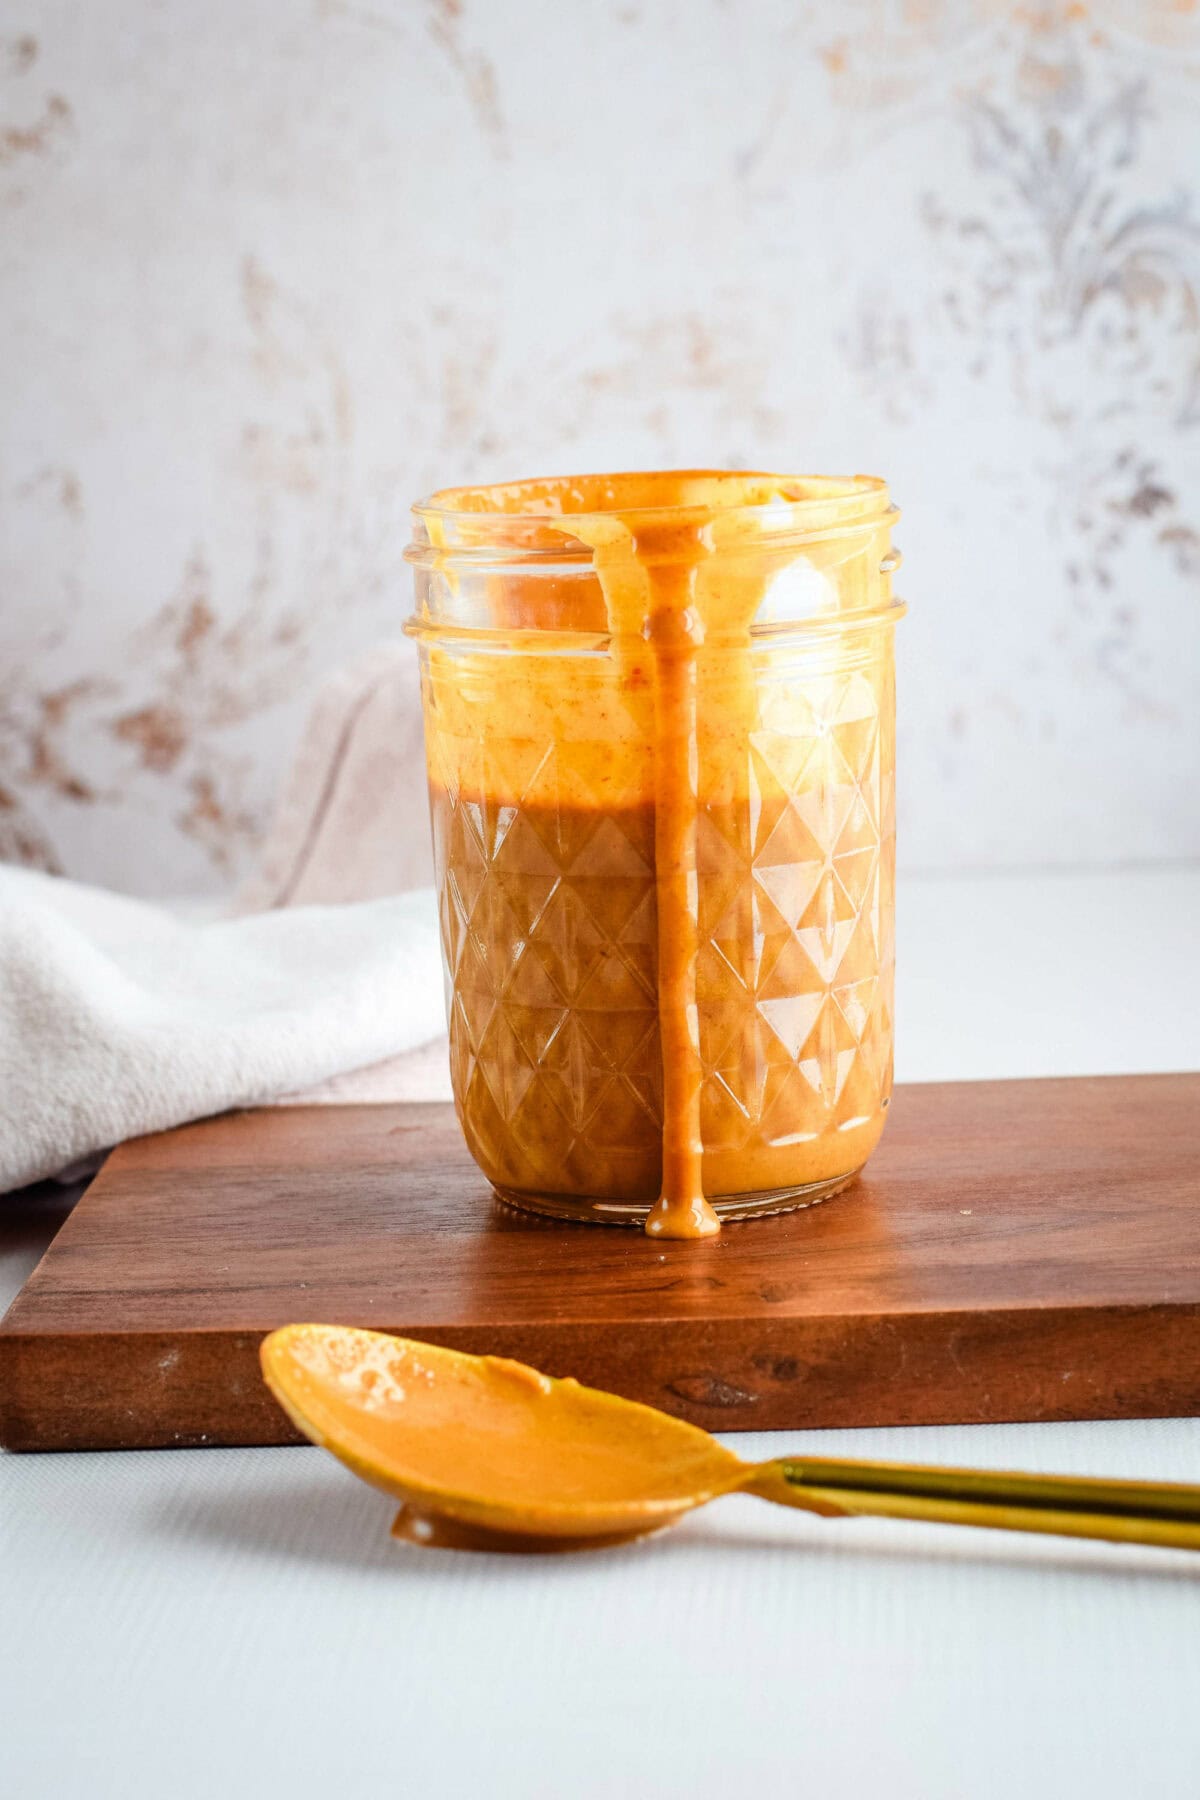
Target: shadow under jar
{"type": "Point", "coordinates": [660, 729]}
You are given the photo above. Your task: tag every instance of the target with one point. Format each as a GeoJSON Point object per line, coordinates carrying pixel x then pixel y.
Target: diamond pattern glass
{"type": "Point", "coordinates": [547, 894]}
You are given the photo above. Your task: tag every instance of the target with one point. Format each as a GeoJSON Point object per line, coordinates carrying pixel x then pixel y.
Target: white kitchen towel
{"type": "Point", "coordinates": [118, 1017]}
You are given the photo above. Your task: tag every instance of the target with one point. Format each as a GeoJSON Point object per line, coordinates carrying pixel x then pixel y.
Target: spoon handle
{"type": "Point", "coordinates": [1127, 1512]}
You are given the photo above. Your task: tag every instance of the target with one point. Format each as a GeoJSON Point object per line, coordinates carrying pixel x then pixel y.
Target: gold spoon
{"type": "Point", "coordinates": [486, 1453]}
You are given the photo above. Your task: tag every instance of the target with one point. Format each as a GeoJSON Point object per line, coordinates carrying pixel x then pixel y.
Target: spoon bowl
{"type": "Point", "coordinates": [481, 1444]}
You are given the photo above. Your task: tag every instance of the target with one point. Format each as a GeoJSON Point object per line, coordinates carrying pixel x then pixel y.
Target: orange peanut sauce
{"type": "Point", "coordinates": [489, 1453]}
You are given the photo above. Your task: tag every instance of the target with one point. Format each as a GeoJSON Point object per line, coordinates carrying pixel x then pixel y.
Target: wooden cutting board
{"type": "Point", "coordinates": [1017, 1250]}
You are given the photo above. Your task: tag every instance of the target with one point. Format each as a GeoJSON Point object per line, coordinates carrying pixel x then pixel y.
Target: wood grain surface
{"type": "Point", "coordinates": [1016, 1250]}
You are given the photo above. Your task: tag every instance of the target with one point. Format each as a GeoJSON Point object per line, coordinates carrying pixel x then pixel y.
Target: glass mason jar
{"type": "Point", "coordinates": [660, 729]}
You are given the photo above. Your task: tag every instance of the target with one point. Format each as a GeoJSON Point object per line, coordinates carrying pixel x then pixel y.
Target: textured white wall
{"type": "Point", "coordinates": [269, 268]}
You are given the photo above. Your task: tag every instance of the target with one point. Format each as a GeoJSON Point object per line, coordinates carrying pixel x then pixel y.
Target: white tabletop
{"type": "Point", "coordinates": [223, 1623]}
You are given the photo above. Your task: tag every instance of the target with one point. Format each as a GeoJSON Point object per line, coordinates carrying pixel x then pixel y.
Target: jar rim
{"type": "Point", "coordinates": [537, 508]}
